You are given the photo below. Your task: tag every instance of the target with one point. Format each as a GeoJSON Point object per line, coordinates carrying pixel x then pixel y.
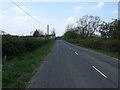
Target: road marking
{"type": "Point", "coordinates": [76, 53]}
{"type": "Point", "coordinates": [99, 72]}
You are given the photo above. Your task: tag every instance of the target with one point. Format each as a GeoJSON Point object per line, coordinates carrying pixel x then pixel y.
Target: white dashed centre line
{"type": "Point", "coordinates": [76, 53]}
{"type": "Point", "coordinates": [99, 72]}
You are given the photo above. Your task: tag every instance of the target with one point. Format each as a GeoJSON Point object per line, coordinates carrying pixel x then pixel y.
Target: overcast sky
{"type": "Point", "coordinates": [56, 14]}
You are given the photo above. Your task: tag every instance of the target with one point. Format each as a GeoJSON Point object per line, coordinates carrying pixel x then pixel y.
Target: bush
{"type": "Point", "coordinates": [108, 45]}
{"type": "Point", "coordinates": [97, 44]}
{"type": "Point", "coordinates": [70, 35]}
{"type": "Point", "coordinates": [111, 45]}
{"type": "Point", "coordinates": [12, 45]}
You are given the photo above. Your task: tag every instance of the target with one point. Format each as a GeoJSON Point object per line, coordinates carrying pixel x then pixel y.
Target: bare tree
{"type": "Point", "coordinates": [40, 32]}
{"type": "Point", "coordinates": [53, 32]}
{"type": "Point", "coordinates": [88, 24]}
{"type": "Point", "coordinates": [69, 27]}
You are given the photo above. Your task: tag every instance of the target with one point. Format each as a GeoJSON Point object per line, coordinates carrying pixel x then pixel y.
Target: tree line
{"type": "Point", "coordinates": [39, 33]}
{"type": "Point", "coordinates": [92, 26]}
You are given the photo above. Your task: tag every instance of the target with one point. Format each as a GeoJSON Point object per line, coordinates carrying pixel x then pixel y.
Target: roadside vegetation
{"type": "Point", "coordinates": [108, 47]}
{"type": "Point", "coordinates": [21, 57]}
{"type": "Point", "coordinates": [84, 35]}
{"type": "Point", "coordinates": [15, 45]}
{"type": "Point", "coordinates": [19, 69]}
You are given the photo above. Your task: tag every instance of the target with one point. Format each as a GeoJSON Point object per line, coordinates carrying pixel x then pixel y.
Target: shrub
{"type": "Point", "coordinates": [70, 35]}
{"type": "Point", "coordinates": [12, 45]}
{"type": "Point", "coordinates": [108, 45]}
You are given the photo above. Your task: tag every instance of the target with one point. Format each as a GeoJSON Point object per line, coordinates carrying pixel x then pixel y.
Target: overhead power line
{"type": "Point", "coordinates": [26, 12]}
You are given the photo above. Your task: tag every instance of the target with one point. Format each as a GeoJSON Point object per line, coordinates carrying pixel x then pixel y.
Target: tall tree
{"type": "Point", "coordinates": [104, 28]}
{"type": "Point", "coordinates": [69, 27]}
{"type": "Point", "coordinates": [110, 30]}
{"type": "Point", "coordinates": [70, 35]}
{"type": "Point", "coordinates": [36, 33]}
{"type": "Point", "coordinates": [53, 32]}
{"type": "Point", "coordinates": [88, 25]}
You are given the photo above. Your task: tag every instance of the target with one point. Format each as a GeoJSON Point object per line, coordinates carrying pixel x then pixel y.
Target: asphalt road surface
{"type": "Point", "coordinates": [70, 66]}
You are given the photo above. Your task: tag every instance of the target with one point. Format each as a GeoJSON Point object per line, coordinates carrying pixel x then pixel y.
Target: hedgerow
{"type": "Point", "coordinates": [15, 45]}
{"type": "Point", "coordinates": [97, 43]}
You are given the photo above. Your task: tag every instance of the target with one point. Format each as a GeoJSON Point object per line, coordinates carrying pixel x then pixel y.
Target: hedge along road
{"type": "Point", "coordinates": [70, 66]}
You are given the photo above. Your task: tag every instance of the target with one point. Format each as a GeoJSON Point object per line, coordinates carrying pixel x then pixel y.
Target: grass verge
{"type": "Point", "coordinates": [19, 70]}
{"type": "Point", "coordinates": [112, 54]}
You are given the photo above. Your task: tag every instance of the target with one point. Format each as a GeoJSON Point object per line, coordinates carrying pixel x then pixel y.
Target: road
{"type": "Point", "coordinates": [70, 66]}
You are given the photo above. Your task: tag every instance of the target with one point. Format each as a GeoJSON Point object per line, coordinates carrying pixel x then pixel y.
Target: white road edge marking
{"type": "Point", "coordinates": [76, 53]}
{"type": "Point", "coordinates": [99, 72]}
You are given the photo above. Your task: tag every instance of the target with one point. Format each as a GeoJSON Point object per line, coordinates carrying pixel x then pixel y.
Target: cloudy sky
{"type": "Point", "coordinates": [57, 14]}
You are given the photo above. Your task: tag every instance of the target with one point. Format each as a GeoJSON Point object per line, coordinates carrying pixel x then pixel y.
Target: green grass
{"type": "Point", "coordinates": [112, 54]}
{"type": "Point", "coordinates": [19, 70]}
